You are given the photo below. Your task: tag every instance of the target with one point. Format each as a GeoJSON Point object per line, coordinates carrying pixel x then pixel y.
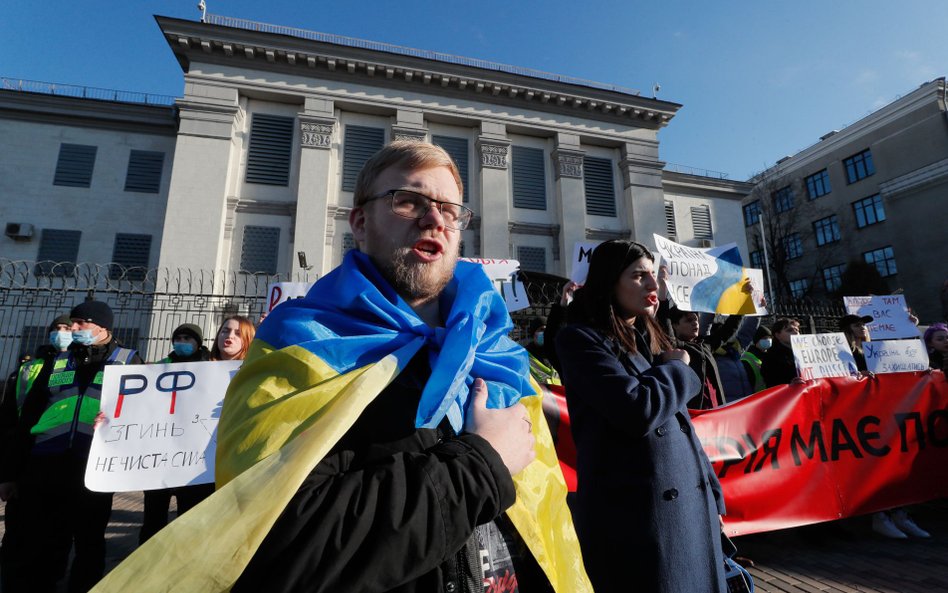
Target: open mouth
{"type": "Point", "coordinates": [652, 299]}
{"type": "Point", "coordinates": [427, 249]}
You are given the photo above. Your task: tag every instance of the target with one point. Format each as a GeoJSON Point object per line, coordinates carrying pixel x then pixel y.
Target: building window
{"type": "Point", "coordinates": [58, 251]}
{"type": "Point", "coordinates": [833, 277]}
{"type": "Point", "coordinates": [859, 166]}
{"type": "Point", "coordinates": [783, 199]}
{"type": "Point", "coordinates": [457, 149]}
{"type": "Point", "coordinates": [818, 185]}
{"type": "Point", "coordinates": [798, 288]}
{"type": "Point", "coordinates": [529, 178]}
{"type": "Point", "coordinates": [757, 259]}
{"type": "Point", "coordinates": [869, 211]}
{"type": "Point", "coordinates": [75, 164]}
{"type": "Point", "coordinates": [793, 246]}
{"type": "Point", "coordinates": [131, 254]}
{"type": "Point", "coordinates": [358, 145]}
{"type": "Point", "coordinates": [883, 259]}
{"type": "Point", "coordinates": [600, 187]}
{"type": "Point", "coordinates": [144, 171]}
{"type": "Point", "coordinates": [260, 250]}
{"type": "Point", "coordinates": [752, 213]}
{"type": "Point", "coordinates": [827, 230]}
{"type": "Point", "coordinates": [348, 243]}
{"type": "Point", "coordinates": [532, 259]}
{"type": "Point", "coordinates": [270, 149]}
{"type": "Point", "coordinates": [701, 222]}
{"type": "Point", "coordinates": [671, 228]}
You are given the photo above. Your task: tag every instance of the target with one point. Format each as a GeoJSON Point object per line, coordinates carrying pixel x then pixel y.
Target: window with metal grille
{"type": "Point", "coordinates": [869, 211]}
{"type": "Point", "coordinates": [783, 199]}
{"type": "Point", "coordinates": [798, 288]}
{"type": "Point", "coordinates": [532, 259]}
{"type": "Point", "coordinates": [793, 246]}
{"type": "Point", "coordinates": [751, 213]}
{"type": "Point", "coordinates": [701, 222]}
{"type": "Point", "coordinates": [270, 149]}
{"type": "Point", "coordinates": [58, 251]}
{"type": "Point", "coordinates": [818, 184]}
{"type": "Point", "coordinates": [457, 149]}
{"type": "Point", "coordinates": [260, 250]}
{"type": "Point", "coordinates": [144, 171]}
{"type": "Point", "coordinates": [757, 259]}
{"type": "Point", "coordinates": [75, 164]}
{"type": "Point", "coordinates": [32, 337]}
{"type": "Point", "coordinates": [883, 259]}
{"type": "Point", "coordinates": [833, 277]}
{"type": "Point", "coordinates": [358, 144]}
{"type": "Point", "coordinates": [827, 230]}
{"type": "Point", "coordinates": [600, 186]}
{"type": "Point", "coordinates": [671, 228]}
{"type": "Point", "coordinates": [529, 178]}
{"type": "Point", "coordinates": [348, 243]}
{"type": "Point", "coordinates": [131, 254]}
{"type": "Point", "coordinates": [859, 166]}
{"type": "Point", "coordinates": [128, 336]}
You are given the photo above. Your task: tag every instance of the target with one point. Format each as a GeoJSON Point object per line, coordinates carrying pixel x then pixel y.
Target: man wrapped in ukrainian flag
{"type": "Point", "coordinates": [383, 433]}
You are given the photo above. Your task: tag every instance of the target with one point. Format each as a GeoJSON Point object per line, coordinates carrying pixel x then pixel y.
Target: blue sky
{"type": "Point", "coordinates": [757, 79]}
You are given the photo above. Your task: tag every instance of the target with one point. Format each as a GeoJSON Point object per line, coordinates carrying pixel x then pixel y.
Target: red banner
{"type": "Point", "coordinates": [828, 449]}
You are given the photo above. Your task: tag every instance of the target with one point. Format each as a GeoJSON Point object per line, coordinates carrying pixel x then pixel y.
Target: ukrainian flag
{"type": "Point", "coordinates": [315, 365]}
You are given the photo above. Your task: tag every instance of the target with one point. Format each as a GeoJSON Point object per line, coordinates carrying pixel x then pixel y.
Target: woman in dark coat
{"type": "Point", "coordinates": [647, 503]}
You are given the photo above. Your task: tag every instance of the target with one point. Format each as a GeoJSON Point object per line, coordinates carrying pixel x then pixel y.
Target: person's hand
{"type": "Point", "coordinates": [508, 430]}
{"type": "Point", "coordinates": [912, 317]}
{"type": "Point", "coordinates": [566, 296]}
{"type": "Point", "coordinates": [675, 354]}
{"type": "Point", "coordinates": [7, 491]}
{"type": "Point", "coordinates": [865, 375]}
{"type": "Point", "coordinates": [746, 286]}
{"type": "Point", "coordinates": [798, 381]}
{"type": "Point", "coordinates": [100, 419]}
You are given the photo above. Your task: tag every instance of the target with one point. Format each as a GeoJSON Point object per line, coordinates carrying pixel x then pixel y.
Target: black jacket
{"type": "Point", "coordinates": [391, 508]}
{"type": "Point", "coordinates": [777, 365]}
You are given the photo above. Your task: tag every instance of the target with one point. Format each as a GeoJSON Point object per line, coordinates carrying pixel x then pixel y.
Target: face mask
{"type": "Point", "coordinates": [83, 336]}
{"type": "Point", "coordinates": [61, 339]}
{"type": "Point", "coordinates": [765, 344]}
{"type": "Point", "coordinates": [538, 338]}
{"type": "Point", "coordinates": [183, 348]}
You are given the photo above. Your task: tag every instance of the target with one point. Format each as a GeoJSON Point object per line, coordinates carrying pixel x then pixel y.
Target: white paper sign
{"type": "Point", "coordinates": [822, 355]}
{"type": "Point", "coordinates": [889, 313]}
{"type": "Point", "coordinates": [895, 356]}
{"type": "Point", "coordinates": [496, 269]}
{"type": "Point", "coordinates": [757, 289]}
{"type": "Point", "coordinates": [280, 292]}
{"type": "Point", "coordinates": [515, 294]}
{"type": "Point", "coordinates": [160, 427]}
{"type": "Point", "coordinates": [504, 274]}
{"type": "Point", "coordinates": [582, 251]}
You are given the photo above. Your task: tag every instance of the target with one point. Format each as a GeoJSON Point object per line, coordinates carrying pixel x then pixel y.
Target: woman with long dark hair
{"type": "Point", "coordinates": [648, 503]}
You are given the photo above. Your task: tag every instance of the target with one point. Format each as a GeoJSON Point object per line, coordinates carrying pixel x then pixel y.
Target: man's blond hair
{"type": "Point", "coordinates": [406, 155]}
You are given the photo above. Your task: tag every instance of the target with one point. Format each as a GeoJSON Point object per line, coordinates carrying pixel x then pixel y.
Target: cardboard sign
{"type": "Point", "coordinates": [160, 425]}
{"type": "Point", "coordinates": [504, 274]}
{"type": "Point", "coordinates": [822, 355]}
{"type": "Point", "coordinates": [895, 356]}
{"type": "Point", "coordinates": [582, 251]}
{"type": "Point", "coordinates": [712, 280]}
{"type": "Point", "coordinates": [889, 313]}
{"type": "Point", "coordinates": [280, 292]}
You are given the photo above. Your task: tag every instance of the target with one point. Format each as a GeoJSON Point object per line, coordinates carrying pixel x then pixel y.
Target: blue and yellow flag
{"type": "Point", "coordinates": [315, 365]}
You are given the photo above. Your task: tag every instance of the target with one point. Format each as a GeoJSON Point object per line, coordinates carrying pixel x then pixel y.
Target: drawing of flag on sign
{"type": "Point", "coordinates": [712, 280]}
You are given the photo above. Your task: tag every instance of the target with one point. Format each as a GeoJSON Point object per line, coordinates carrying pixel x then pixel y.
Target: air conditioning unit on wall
{"type": "Point", "coordinates": [19, 231]}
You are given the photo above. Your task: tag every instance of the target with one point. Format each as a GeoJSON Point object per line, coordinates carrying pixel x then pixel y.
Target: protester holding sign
{"type": "Point", "coordinates": [233, 338]}
{"type": "Point", "coordinates": [777, 365]}
{"type": "Point", "coordinates": [857, 331]}
{"type": "Point", "coordinates": [642, 522]}
{"type": "Point", "coordinates": [556, 320]}
{"type": "Point", "coordinates": [187, 341]}
{"type": "Point", "coordinates": [936, 342]}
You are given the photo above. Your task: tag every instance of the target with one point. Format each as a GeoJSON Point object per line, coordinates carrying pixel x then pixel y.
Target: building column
{"type": "Point", "coordinates": [311, 224]}
{"type": "Point", "coordinates": [570, 197]}
{"type": "Point", "coordinates": [493, 147]}
{"type": "Point", "coordinates": [193, 235]}
{"type": "Point", "coordinates": [642, 192]}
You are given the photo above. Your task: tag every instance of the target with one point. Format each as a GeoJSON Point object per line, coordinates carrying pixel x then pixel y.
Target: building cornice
{"type": "Point", "coordinates": [927, 176]}
{"type": "Point", "coordinates": [722, 188]}
{"type": "Point", "coordinates": [206, 43]}
{"type": "Point", "coordinates": [93, 113]}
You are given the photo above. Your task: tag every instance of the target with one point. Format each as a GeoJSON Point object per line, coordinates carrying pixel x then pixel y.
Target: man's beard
{"type": "Point", "coordinates": [417, 282]}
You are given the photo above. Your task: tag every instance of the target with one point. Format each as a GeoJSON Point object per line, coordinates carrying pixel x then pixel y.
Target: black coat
{"type": "Point", "coordinates": [647, 501]}
{"type": "Point", "coordinates": [777, 365]}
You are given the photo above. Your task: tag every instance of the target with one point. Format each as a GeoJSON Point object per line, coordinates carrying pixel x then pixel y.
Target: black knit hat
{"type": "Point", "coordinates": [762, 332]}
{"type": "Point", "coordinates": [61, 320]}
{"type": "Point", "coordinates": [847, 320]}
{"type": "Point", "coordinates": [96, 312]}
{"type": "Point", "coordinates": [189, 329]}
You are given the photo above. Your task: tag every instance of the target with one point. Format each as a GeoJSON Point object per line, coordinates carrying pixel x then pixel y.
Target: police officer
{"type": "Point", "coordinates": [49, 454]}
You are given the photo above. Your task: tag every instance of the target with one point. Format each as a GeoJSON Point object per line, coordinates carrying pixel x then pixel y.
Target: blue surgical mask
{"type": "Point", "coordinates": [60, 339]}
{"type": "Point", "coordinates": [83, 336]}
{"type": "Point", "coordinates": [183, 348]}
{"type": "Point", "coordinates": [765, 344]}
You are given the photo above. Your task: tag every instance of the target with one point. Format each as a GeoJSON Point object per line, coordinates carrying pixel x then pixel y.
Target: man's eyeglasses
{"type": "Point", "coordinates": [409, 204]}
